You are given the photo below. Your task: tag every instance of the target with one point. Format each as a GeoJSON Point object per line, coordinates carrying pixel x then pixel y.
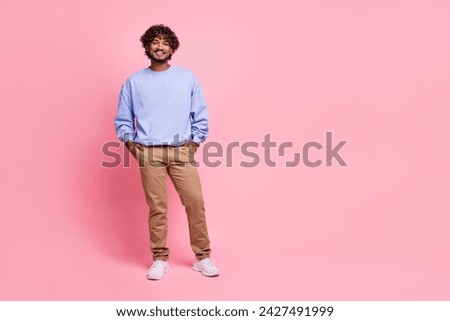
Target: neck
{"type": "Point", "coordinates": [159, 66]}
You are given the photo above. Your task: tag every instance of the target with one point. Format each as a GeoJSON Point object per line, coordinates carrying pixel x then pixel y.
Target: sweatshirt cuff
{"type": "Point", "coordinates": [196, 139]}
{"type": "Point", "coordinates": [127, 137]}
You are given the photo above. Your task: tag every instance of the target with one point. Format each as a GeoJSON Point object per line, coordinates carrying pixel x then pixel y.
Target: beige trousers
{"type": "Point", "coordinates": [155, 163]}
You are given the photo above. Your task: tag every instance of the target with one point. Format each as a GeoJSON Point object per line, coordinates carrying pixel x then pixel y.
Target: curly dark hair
{"type": "Point", "coordinates": [159, 31]}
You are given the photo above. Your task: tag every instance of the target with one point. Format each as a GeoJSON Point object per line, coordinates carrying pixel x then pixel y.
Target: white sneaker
{"type": "Point", "coordinates": [206, 266]}
{"type": "Point", "coordinates": [157, 270]}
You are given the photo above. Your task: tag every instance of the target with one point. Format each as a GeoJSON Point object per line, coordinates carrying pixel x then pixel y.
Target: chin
{"type": "Point", "coordinates": [157, 59]}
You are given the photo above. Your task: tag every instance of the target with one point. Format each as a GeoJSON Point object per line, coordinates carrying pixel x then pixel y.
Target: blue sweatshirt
{"type": "Point", "coordinates": [162, 108]}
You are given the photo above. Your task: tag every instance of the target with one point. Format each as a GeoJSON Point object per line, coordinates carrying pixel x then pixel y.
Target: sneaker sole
{"type": "Point", "coordinates": [156, 279]}
{"type": "Point", "coordinates": [203, 273]}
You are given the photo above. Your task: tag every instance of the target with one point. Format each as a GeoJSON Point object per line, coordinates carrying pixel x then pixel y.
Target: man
{"type": "Point", "coordinates": [162, 119]}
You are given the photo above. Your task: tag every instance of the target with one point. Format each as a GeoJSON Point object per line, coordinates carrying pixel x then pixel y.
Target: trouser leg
{"type": "Point", "coordinates": [186, 180]}
{"type": "Point", "coordinates": [153, 176]}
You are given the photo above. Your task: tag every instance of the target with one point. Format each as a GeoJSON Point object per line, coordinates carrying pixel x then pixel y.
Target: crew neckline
{"type": "Point", "coordinates": [159, 72]}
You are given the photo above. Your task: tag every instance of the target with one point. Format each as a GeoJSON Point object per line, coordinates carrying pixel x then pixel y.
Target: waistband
{"type": "Point", "coordinates": [165, 146]}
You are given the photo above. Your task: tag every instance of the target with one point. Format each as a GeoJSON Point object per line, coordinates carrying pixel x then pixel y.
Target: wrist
{"type": "Point", "coordinates": [129, 143]}
{"type": "Point", "coordinates": [192, 143]}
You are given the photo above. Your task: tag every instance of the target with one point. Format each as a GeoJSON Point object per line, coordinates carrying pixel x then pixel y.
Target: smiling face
{"type": "Point", "coordinates": [159, 50]}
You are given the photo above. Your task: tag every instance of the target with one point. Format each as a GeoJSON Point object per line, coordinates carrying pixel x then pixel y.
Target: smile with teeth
{"type": "Point", "coordinates": [160, 52]}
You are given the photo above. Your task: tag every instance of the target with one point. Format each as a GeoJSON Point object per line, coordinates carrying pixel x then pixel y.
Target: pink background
{"type": "Point", "coordinates": [375, 73]}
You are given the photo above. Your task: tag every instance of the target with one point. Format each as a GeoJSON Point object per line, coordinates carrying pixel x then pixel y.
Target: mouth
{"type": "Point", "coordinates": [160, 53]}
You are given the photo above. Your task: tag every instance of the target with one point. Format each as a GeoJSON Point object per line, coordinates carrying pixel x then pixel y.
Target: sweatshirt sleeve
{"type": "Point", "coordinates": [199, 115]}
{"type": "Point", "coordinates": [124, 121]}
